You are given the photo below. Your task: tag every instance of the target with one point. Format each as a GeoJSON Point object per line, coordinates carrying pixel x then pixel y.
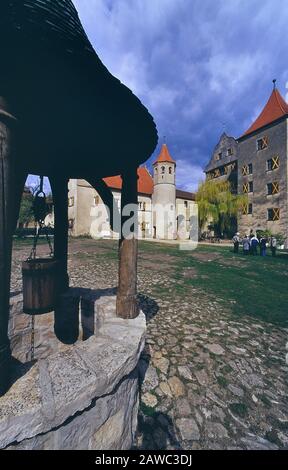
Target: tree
{"type": "Point", "coordinates": [26, 208]}
{"type": "Point", "coordinates": [219, 206]}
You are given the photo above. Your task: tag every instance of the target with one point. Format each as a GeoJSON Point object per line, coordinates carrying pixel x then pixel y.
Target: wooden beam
{"type": "Point", "coordinates": [59, 185]}
{"type": "Point", "coordinates": [11, 188]}
{"type": "Point", "coordinates": [107, 197]}
{"type": "Point", "coordinates": [126, 304]}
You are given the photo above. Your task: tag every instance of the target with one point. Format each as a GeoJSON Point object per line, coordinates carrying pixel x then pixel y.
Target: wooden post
{"type": "Point", "coordinates": [11, 187]}
{"type": "Point", "coordinates": [59, 186]}
{"type": "Point", "coordinates": [126, 305]}
{"type": "Point", "coordinates": [66, 313]}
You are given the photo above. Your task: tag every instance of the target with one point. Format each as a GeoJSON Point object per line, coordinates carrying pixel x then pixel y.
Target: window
{"type": "Point", "coordinates": [219, 156]}
{"type": "Point", "coordinates": [245, 188]}
{"type": "Point", "coordinates": [229, 152]}
{"type": "Point", "coordinates": [70, 201]}
{"type": "Point", "coordinates": [269, 189]}
{"type": "Point", "coordinates": [273, 214]}
{"type": "Point", "coordinates": [96, 200]}
{"type": "Point", "coordinates": [250, 184]}
{"type": "Point", "coordinates": [186, 204]}
{"type": "Point", "coordinates": [273, 163]}
{"type": "Point", "coordinates": [262, 144]}
{"type": "Point", "coordinates": [247, 209]}
{"type": "Point", "coordinates": [144, 206]}
{"type": "Point", "coordinates": [272, 188]}
{"type": "Point", "coordinates": [245, 170]}
{"type": "Point", "coordinates": [250, 169]}
{"type": "Point", "coordinates": [140, 206]}
{"type": "Point", "coordinates": [163, 170]}
{"type": "Point", "coordinates": [217, 173]}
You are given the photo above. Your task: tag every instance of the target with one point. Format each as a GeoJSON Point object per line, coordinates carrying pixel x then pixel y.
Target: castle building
{"type": "Point", "coordinates": [165, 212]}
{"type": "Point", "coordinates": [256, 165]}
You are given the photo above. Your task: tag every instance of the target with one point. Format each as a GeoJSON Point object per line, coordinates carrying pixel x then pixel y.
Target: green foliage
{"type": "Point", "coordinates": [264, 234]}
{"type": "Point", "coordinates": [239, 409]}
{"type": "Point", "coordinates": [218, 205]}
{"type": "Point", "coordinates": [26, 209]}
{"type": "Point", "coordinates": [280, 238]}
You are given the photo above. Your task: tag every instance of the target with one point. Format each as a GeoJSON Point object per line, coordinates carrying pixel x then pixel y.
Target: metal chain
{"type": "Point", "coordinates": [40, 227]}
{"type": "Point", "coordinates": [32, 337]}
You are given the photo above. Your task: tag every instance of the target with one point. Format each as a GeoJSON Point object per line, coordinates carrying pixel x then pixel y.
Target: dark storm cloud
{"type": "Point", "coordinates": [199, 65]}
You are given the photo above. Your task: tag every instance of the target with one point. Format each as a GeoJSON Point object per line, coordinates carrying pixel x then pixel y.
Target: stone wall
{"type": "Point", "coordinates": [277, 146]}
{"type": "Point", "coordinates": [83, 396]}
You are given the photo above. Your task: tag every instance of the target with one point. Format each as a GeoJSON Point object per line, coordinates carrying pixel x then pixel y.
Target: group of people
{"type": "Point", "coordinates": [252, 243]}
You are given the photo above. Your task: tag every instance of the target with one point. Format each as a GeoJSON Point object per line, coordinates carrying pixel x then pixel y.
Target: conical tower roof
{"type": "Point", "coordinates": [164, 156]}
{"type": "Point", "coordinates": [275, 108]}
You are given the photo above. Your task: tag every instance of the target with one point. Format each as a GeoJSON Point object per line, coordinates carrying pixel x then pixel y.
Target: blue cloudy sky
{"type": "Point", "coordinates": [198, 65]}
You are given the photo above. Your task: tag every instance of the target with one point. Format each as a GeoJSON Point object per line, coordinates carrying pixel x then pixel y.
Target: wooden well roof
{"type": "Point", "coordinates": [74, 116]}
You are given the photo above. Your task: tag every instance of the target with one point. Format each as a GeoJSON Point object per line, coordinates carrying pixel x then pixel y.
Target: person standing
{"type": "Point", "coordinates": [236, 241]}
{"type": "Point", "coordinates": [263, 243]}
{"type": "Point", "coordinates": [254, 245]}
{"type": "Point", "coordinates": [273, 246]}
{"type": "Point", "coordinates": [246, 245]}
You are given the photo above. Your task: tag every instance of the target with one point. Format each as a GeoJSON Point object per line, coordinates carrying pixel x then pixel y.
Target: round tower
{"type": "Point", "coordinates": [164, 196]}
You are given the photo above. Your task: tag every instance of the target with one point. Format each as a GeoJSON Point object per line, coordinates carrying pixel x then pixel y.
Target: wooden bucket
{"type": "Point", "coordinates": [39, 285]}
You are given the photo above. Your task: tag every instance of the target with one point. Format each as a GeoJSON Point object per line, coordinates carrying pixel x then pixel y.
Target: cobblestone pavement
{"type": "Point", "coordinates": [210, 380]}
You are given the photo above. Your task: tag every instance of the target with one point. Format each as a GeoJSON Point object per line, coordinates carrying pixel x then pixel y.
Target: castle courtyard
{"type": "Point", "coordinates": [213, 370]}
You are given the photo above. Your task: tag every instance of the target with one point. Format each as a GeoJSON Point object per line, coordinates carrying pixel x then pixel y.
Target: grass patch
{"type": "Point", "coordinates": [222, 381]}
{"type": "Point", "coordinates": [239, 409]}
{"type": "Point", "coordinates": [249, 285]}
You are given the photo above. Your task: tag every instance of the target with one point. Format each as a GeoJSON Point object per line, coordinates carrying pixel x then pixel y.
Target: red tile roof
{"type": "Point", "coordinates": [275, 108]}
{"type": "Point", "coordinates": [164, 155]}
{"type": "Point", "coordinates": [145, 181]}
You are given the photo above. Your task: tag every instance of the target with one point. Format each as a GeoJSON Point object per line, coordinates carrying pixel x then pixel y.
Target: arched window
{"type": "Point", "coordinates": [96, 200]}
{"type": "Point", "coordinates": [163, 170]}
{"type": "Point", "coordinates": [170, 170]}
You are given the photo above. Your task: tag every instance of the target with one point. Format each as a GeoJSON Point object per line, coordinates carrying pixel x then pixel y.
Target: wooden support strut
{"type": "Point", "coordinates": [11, 187]}
{"type": "Point", "coordinates": [60, 198]}
{"type": "Point", "coordinates": [126, 304]}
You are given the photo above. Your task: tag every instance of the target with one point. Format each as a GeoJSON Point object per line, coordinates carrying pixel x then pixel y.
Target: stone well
{"type": "Point", "coordinates": [83, 396]}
